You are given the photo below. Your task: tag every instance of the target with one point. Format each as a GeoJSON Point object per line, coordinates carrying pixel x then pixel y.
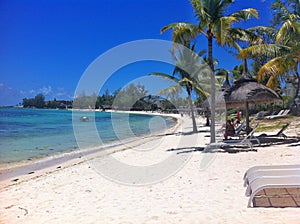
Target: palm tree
{"type": "Point", "coordinates": [285, 52]}
{"type": "Point", "coordinates": [214, 24]}
{"type": "Point", "coordinates": [186, 75]}
{"type": "Point", "coordinates": [238, 36]}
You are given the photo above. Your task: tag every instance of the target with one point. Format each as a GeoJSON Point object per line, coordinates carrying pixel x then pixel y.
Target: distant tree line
{"type": "Point", "coordinates": [39, 102]}
{"type": "Point", "coordinates": [132, 97]}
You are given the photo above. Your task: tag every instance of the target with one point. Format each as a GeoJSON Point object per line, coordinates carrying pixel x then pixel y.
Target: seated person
{"type": "Point", "coordinates": [230, 131]}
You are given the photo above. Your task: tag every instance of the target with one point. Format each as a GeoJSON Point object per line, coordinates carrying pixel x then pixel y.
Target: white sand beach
{"type": "Point", "coordinates": [190, 187]}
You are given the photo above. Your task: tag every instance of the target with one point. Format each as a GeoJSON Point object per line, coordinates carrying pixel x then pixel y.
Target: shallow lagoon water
{"type": "Point", "coordinates": [30, 133]}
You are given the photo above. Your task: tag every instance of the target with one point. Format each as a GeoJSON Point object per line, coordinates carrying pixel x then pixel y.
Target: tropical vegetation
{"type": "Point", "coordinates": [186, 75]}
{"type": "Point", "coordinates": [132, 97]}
{"type": "Point", "coordinates": [39, 102]}
{"type": "Point", "coordinates": [274, 50]}
{"type": "Point", "coordinates": [213, 23]}
{"type": "Point", "coordinates": [284, 53]}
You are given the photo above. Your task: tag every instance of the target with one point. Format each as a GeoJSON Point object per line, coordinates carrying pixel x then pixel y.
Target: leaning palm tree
{"type": "Point", "coordinates": [186, 74]}
{"type": "Point", "coordinates": [285, 52]}
{"type": "Point", "coordinates": [214, 24]}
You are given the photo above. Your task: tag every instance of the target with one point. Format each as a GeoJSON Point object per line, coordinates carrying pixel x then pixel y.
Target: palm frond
{"type": "Point", "coordinates": [275, 67]}
{"type": "Point", "coordinates": [247, 35]}
{"type": "Point", "coordinates": [201, 53]}
{"type": "Point", "coordinates": [245, 14]}
{"type": "Point", "coordinates": [265, 32]}
{"type": "Point", "coordinates": [272, 82]}
{"type": "Point", "coordinates": [263, 49]}
{"type": "Point", "coordinates": [267, 29]}
{"type": "Point", "coordinates": [288, 30]}
{"type": "Point", "coordinates": [223, 27]}
{"type": "Point", "coordinates": [170, 89]}
{"type": "Point", "coordinates": [200, 12]}
{"type": "Point", "coordinates": [166, 76]}
{"type": "Point", "coordinates": [200, 91]}
{"type": "Point", "coordinates": [186, 82]}
{"type": "Point", "coordinates": [182, 32]}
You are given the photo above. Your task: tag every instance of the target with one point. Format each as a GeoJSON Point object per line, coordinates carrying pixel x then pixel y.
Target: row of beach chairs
{"type": "Point", "coordinates": [280, 114]}
{"type": "Point", "coordinates": [273, 186]}
{"type": "Point", "coordinates": [246, 141]}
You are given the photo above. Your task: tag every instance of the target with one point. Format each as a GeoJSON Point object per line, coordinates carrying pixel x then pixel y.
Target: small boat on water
{"type": "Point", "coordinates": [84, 119]}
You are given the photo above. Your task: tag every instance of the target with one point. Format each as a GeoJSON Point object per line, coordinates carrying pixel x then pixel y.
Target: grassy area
{"type": "Point", "coordinates": [266, 125]}
{"type": "Point", "coordinates": [268, 128]}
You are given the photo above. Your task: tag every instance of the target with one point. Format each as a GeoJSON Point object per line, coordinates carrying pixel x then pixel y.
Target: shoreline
{"type": "Point", "coordinates": [75, 192]}
{"type": "Point", "coordinates": [9, 171]}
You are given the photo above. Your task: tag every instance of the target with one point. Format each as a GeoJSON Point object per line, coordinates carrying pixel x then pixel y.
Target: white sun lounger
{"type": "Point", "coordinates": [270, 173]}
{"type": "Point", "coordinates": [270, 167]}
{"type": "Point", "coordinates": [283, 114]}
{"type": "Point", "coordinates": [279, 113]}
{"type": "Point", "coordinates": [271, 182]}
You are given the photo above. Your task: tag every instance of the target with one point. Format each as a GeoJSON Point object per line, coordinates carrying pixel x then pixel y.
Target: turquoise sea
{"type": "Point", "coordinates": [26, 134]}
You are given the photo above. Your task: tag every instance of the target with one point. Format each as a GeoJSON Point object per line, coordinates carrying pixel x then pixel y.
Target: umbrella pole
{"type": "Point", "coordinates": [247, 118]}
{"type": "Point", "coordinates": [226, 115]}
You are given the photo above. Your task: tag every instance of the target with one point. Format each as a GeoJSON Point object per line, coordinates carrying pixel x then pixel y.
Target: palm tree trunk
{"type": "Point", "coordinates": [213, 87]}
{"type": "Point", "coordinates": [245, 69]}
{"type": "Point", "coordinates": [192, 110]}
{"type": "Point", "coordinates": [297, 89]}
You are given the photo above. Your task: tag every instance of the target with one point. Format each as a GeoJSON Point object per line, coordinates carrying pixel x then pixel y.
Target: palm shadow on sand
{"type": "Point", "coordinates": [265, 141]}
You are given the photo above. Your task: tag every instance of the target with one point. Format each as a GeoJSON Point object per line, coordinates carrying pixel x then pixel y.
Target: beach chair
{"type": "Point", "coordinates": [272, 115]}
{"type": "Point", "coordinates": [275, 188]}
{"type": "Point", "coordinates": [245, 142]}
{"type": "Point", "coordinates": [270, 173]}
{"type": "Point", "coordinates": [269, 167]}
{"type": "Point", "coordinates": [246, 139]}
{"type": "Point", "coordinates": [283, 114]}
{"type": "Point", "coordinates": [240, 128]}
{"type": "Point", "coordinates": [278, 134]}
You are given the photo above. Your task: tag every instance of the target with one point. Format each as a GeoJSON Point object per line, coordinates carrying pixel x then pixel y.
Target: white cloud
{"type": "Point", "coordinates": [46, 90]}
{"type": "Point", "coordinates": [10, 96]}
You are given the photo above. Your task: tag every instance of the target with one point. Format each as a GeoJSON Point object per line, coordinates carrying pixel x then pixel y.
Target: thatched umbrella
{"type": "Point", "coordinates": [246, 91]}
{"type": "Point", "coordinates": [219, 101]}
{"type": "Point", "coordinates": [219, 104]}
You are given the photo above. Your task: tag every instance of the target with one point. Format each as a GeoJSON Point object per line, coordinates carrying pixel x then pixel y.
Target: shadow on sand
{"type": "Point", "coordinates": [265, 141]}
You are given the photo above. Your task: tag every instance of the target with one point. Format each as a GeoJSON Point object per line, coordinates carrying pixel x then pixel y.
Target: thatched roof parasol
{"type": "Point", "coordinates": [246, 91]}
{"type": "Point", "coordinates": [241, 94]}
{"type": "Point", "coordinates": [219, 101]}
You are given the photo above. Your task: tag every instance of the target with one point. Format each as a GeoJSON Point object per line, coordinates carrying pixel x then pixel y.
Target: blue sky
{"type": "Point", "coordinates": [46, 45]}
